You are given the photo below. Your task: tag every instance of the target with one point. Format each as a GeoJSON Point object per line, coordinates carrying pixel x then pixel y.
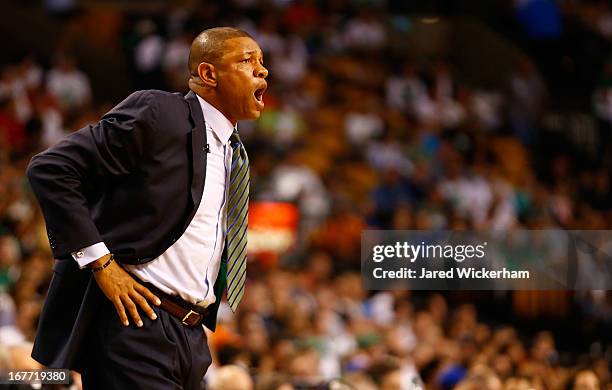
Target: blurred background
{"type": "Point", "coordinates": [389, 114]}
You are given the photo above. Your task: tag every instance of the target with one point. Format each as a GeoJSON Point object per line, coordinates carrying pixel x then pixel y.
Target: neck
{"type": "Point", "coordinates": [213, 100]}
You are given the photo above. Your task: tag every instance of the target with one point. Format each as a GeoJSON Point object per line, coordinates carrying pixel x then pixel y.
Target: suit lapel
{"type": "Point", "coordinates": [198, 152]}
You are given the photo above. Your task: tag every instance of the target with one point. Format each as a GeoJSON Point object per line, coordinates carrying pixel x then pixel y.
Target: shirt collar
{"type": "Point", "coordinates": [220, 125]}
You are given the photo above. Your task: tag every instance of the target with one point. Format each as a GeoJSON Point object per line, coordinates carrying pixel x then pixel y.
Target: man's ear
{"type": "Point", "coordinates": [208, 74]}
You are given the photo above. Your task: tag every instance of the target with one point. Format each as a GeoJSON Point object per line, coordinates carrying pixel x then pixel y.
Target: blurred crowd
{"type": "Point", "coordinates": [359, 135]}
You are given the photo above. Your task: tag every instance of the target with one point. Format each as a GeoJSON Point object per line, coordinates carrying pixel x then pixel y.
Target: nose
{"type": "Point", "coordinates": [261, 72]}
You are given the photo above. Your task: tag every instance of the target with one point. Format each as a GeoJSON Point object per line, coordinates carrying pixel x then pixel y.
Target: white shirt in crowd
{"type": "Point", "coordinates": [189, 267]}
{"type": "Point", "coordinates": [70, 88]}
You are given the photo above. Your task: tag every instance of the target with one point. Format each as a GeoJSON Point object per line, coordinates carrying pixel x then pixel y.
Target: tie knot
{"type": "Point", "coordinates": [235, 139]}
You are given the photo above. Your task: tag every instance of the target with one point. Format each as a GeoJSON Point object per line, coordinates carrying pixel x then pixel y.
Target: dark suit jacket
{"type": "Point", "coordinates": [134, 181]}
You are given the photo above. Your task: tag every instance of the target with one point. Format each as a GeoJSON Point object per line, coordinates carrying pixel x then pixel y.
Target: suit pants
{"type": "Point", "coordinates": [163, 354]}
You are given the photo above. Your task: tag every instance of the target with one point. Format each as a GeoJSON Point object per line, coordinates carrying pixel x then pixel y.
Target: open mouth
{"type": "Point", "coordinates": [258, 94]}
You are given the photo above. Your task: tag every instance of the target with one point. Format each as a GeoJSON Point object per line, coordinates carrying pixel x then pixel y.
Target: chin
{"type": "Point", "coordinates": [253, 115]}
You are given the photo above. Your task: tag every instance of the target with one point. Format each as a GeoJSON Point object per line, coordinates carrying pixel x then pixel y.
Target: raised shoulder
{"type": "Point", "coordinates": [153, 98]}
{"type": "Point", "coordinates": [149, 107]}
{"type": "Point", "coordinates": [172, 110]}
{"type": "Point", "coordinates": [165, 102]}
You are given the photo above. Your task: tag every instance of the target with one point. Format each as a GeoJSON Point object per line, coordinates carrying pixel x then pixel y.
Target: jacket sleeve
{"type": "Point", "coordinates": [65, 175]}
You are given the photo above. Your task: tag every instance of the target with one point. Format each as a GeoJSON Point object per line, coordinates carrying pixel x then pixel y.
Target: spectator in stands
{"type": "Point", "coordinates": [68, 85]}
{"type": "Point", "coordinates": [585, 380]}
{"type": "Point", "coordinates": [231, 378]}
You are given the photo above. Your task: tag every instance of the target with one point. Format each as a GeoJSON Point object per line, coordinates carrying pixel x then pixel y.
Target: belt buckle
{"type": "Point", "coordinates": [187, 317]}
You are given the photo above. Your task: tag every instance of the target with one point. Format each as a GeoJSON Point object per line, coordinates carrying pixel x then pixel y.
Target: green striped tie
{"type": "Point", "coordinates": [237, 217]}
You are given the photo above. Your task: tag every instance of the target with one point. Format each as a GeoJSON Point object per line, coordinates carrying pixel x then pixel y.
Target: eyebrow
{"type": "Point", "coordinates": [253, 52]}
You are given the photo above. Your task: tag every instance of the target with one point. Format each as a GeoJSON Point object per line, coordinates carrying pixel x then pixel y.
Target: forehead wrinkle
{"type": "Point", "coordinates": [251, 52]}
{"type": "Point", "coordinates": [232, 48]}
{"type": "Point", "coordinates": [241, 53]}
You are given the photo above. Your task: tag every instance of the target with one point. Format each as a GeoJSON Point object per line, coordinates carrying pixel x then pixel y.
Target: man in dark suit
{"type": "Point", "coordinates": [146, 210]}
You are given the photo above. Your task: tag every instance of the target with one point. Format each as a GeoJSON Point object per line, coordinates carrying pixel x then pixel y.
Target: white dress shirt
{"type": "Point", "coordinates": [190, 266]}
